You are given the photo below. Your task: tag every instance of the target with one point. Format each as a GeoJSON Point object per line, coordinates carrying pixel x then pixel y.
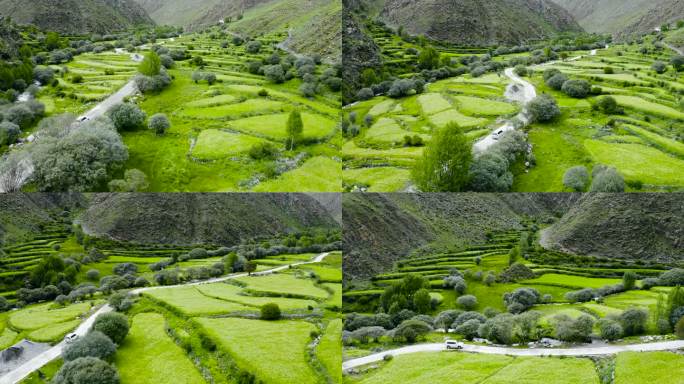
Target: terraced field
{"type": "Point", "coordinates": [214, 127]}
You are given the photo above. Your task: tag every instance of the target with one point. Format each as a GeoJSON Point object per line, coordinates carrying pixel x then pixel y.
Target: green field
{"type": "Point", "coordinates": [148, 355]}
{"type": "Point", "coordinates": [464, 368]}
{"type": "Point", "coordinates": [283, 284]}
{"type": "Point", "coordinates": [649, 367]}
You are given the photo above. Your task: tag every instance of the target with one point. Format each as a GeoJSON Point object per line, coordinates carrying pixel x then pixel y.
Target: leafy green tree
{"type": "Point", "coordinates": [610, 329]}
{"type": "Point", "coordinates": [544, 108]}
{"type": "Point", "coordinates": [86, 370]}
{"type": "Point", "coordinates": [52, 41]}
{"type": "Point", "coordinates": [151, 64]}
{"type": "Point", "coordinates": [469, 329]}
{"type": "Point", "coordinates": [578, 89]}
{"type": "Point", "coordinates": [608, 180]}
{"type": "Point", "coordinates": [629, 280]}
{"type": "Point", "coordinates": [159, 123]}
{"type": "Point", "coordinates": [445, 164]}
{"type": "Point", "coordinates": [113, 324]}
{"type": "Point", "coordinates": [678, 63]}
{"type": "Point", "coordinates": [467, 302]}
{"type": "Point", "coordinates": [126, 116]}
{"type": "Point", "coordinates": [608, 105]}
{"type": "Point", "coordinates": [659, 67]}
{"type": "Point", "coordinates": [294, 128]}
{"type": "Point", "coordinates": [95, 344]}
{"type": "Point", "coordinates": [428, 58]}
{"type": "Point", "coordinates": [633, 321]}
{"type": "Point", "coordinates": [421, 301]}
{"type": "Point", "coordinates": [513, 255]}
{"type": "Point", "coordinates": [412, 330]}
{"type": "Point", "coordinates": [134, 181]}
{"type": "Point", "coordinates": [250, 267]}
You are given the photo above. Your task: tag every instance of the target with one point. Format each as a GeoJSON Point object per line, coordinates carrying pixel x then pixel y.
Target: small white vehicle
{"type": "Point", "coordinates": [82, 119]}
{"type": "Point", "coordinates": [453, 344]}
{"type": "Point", "coordinates": [70, 338]}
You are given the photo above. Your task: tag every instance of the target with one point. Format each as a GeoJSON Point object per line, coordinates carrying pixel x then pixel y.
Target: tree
{"type": "Point", "coordinates": [513, 255]}
{"type": "Point", "coordinates": [633, 321]}
{"type": "Point", "coordinates": [294, 128]}
{"type": "Point", "coordinates": [13, 171]}
{"type": "Point", "coordinates": [52, 41]}
{"type": "Point", "coordinates": [629, 280]}
{"type": "Point", "coordinates": [134, 181]}
{"type": "Point", "coordinates": [578, 89]}
{"type": "Point", "coordinates": [544, 108]}
{"type": "Point", "coordinates": [610, 329]}
{"type": "Point", "coordinates": [607, 179]}
{"type": "Point", "coordinates": [253, 46]}
{"type": "Point", "coordinates": [467, 302]}
{"type": "Point", "coordinates": [498, 329]}
{"type": "Point", "coordinates": [678, 63]}
{"type": "Point", "coordinates": [250, 267]}
{"type": "Point", "coordinates": [576, 178]}
{"type": "Point", "coordinates": [521, 70]}
{"type": "Point", "coordinates": [274, 73]}
{"type": "Point", "coordinates": [151, 65]}
{"type": "Point", "coordinates": [469, 329]}
{"type": "Point", "coordinates": [659, 67]}
{"type": "Point", "coordinates": [125, 269]}
{"type": "Point", "coordinates": [679, 328]}
{"type": "Point", "coordinates": [556, 82]}
{"type": "Point", "coordinates": [9, 133]}
{"type": "Point", "coordinates": [411, 330]}
{"type": "Point", "coordinates": [86, 370]}
{"type": "Point", "coordinates": [490, 172]}
{"type": "Point", "coordinates": [95, 344]}
{"type": "Point", "coordinates": [159, 123]}
{"type": "Point", "coordinates": [569, 329]}
{"type": "Point", "coordinates": [114, 325]}
{"type": "Point", "coordinates": [489, 279]}
{"type": "Point", "coordinates": [421, 301]}
{"type": "Point", "coordinates": [524, 297]}
{"type": "Point", "coordinates": [445, 163]}
{"type": "Point", "coordinates": [428, 58]}
{"type": "Point", "coordinates": [4, 304]}
{"type": "Point", "coordinates": [126, 116]}
{"type": "Point", "coordinates": [77, 159]}
{"type": "Point", "coordinates": [608, 105]}
{"type": "Point", "coordinates": [270, 311]}
{"type": "Point", "coordinates": [210, 77]}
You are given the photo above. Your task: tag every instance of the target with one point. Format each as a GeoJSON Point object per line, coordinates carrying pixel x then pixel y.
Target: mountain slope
{"type": "Point", "coordinates": [475, 22]}
{"type": "Point", "coordinates": [314, 24]}
{"type": "Point", "coordinates": [201, 218]}
{"type": "Point", "coordinates": [380, 229]}
{"type": "Point", "coordinates": [623, 16]}
{"type": "Point", "coordinates": [77, 16]}
{"type": "Point", "coordinates": [626, 226]}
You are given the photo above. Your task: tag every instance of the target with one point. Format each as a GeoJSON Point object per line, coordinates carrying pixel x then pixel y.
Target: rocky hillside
{"type": "Point", "coordinates": [201, 218]}
{"type": "Point", "coordinates": [77, 16]}
{"type": "Point", "coordinates": [623, 16]}
{"type": "Point", "coordinates": [314, 24]}
{"type": "Point", "coordinates": [625, 226]}
{"type": "Point", "coordinates": [475, 22]}
{"type": "Point", "coordinates": [380, 229]}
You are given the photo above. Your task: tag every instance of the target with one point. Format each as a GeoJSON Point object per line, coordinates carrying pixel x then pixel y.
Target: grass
{"type": "Point", "coordinates": [647, 106]}
{"type": "Point", "coordinates": [190, 301]}
{"type": "Point", "coordinates": [273, 126]}
{"type": "Point", "coordinates": [484, 107]}
{"type": "Point", "coordinates": [463, 368]}
{"type": "Point", "coordinates": [234, 294]}
{"type": "Point", "coordinates": [46, 315]}
{"type": "Point", "coordinates": [53, 332]}
{"type": "Point", "coordinates": [324, 273]}
{"type": "Point", "coordinates": [649, 367]}
{"type": "Point", "coordinates": [318, 174]}
{"type": "Point", "coordinates": [148, 355]}
{"type": "Point", "coordinates": [578, 282]}
{"type": "Point", "coordinates": [217, 144]}
{"type": "Point", "coordinates": [283, 283]}
{"type": "Point", "coordinates": [274, 351]}
{"type": "Point", "coordinates": [329, 350]}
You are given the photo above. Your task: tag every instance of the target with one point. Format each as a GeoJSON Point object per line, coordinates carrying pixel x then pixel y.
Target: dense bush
{"type": "Point", "coordinates": [544, 109]}
{"type": "Point", "coordinates": [581, 296]}
{"type": "Point", "coordinates": [86, 370]}
{"type": "Point", "coordinates": [467, 302]}
{"type": "Point", "coordinates": [94, 344]}
{"type": "Point", "coordinates": [659, 67]}
{"type": "Point", "coordinates": [364, 94]}
{"type": "Point", "coordinates": [134, 181]}
{"type": "Point", "coordinates": [153, 84]}
{"type": "Point", "coordinates": [270, 311]}
{"type": "Point", "coordinates": [159, 123]}
{"type": "Point", "coordinates": [557, 81]}
{"type": "Point", "coordinates": [253, 47]}
{"type": "Point", "coordinates": [609, 105]}
{"type": "Point", "coordinates": [578, 89]}
{"type": "Point", "coordinates": [113, 325]}
{"type": "Point", "coordinates": [126, 116]}
{"type": "Point", "coordinates": [633, 321]}
{"type": "Point", "coordinates": [469, 329]}
{"type": "Point", "coordinates": [569, 329]}
{"type": "Point", "coordinates": [125, 269]}
{"type": "Point", "coordinates": [9, 133]}
{"type": "Point", "coordinates": [576, 178]}
{"type": "Point", "coordinates": [411, 330]}
{"type": "Point", "coordinates": [445, 164]}
{"type": "Point", "coordinates": [672, 277]}
{"type": "Point", "coordinates": [607, 179]}
{"type": "Point", "coordinates": [521, 299]}
{"type": "Point", "coordinates": [516, 272]}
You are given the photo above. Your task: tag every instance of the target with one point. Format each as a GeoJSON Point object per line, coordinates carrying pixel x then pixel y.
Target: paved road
{"type": "Point", "coordinates": [575, 351]}
{"type": "Point", "coordinates": [39, 361]}
{"type": "Point", "coordinates": [679, 51]}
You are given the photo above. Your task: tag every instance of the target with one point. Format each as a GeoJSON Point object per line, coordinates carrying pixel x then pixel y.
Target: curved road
{"type": "Point", "coordinates": [39, 361]}
{"type": "Point", "coordinates": [575, 351]}
{"type": "Point", "coordinates": [522, 91]}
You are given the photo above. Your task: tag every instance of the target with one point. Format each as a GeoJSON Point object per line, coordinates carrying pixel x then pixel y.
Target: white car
{"type": "Point", "coordinates": [453, 344]}
{"type": "Point", "coordinates": [82, 119]}
{"type": "Point", "coordinates": [70, 338]}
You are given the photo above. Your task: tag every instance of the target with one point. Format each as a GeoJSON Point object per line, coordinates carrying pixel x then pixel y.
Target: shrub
{"type": "Point", "coordinates": [633, 321]}
{"type": "Point", "coordinates": [578, 89]}
{"type": "Point", "coordinates": [153, 84]}
{"type": "Point", "coordinates": [263, 92]}
{"type": "Point", "coordinates": [364, 94]}
{"type": "Point", "coordinates": [524, 297]}
{"type": "Point", "coordinates": [274, 73]}
{"type": "Point", "coordinates": [467, 302]}
{"type": "Point", "coordinates": [608, 105]}
{"type": "Point", "coordinates": [86, 370]}
{"type": "Point", "coordinates": [253, 46]}
{"type": "Point", "coordinates": [672, 277]}
{"type": "Point", "coordinates": [516, 272]}
{"type": "Point", "coordinates": [549, 73]}
{"type": "Point", "coordinates": [659, 67]}
{"type": "Point", "coordinates": [608, 180]}
{"type": "Point", "coordinates": [270, 311]}
{"type": "Point", "coordinates": [679, 328]}
{"type": "Point", "coordinates": [159, 123]}
{"type": "Point", "coordinates": [125, 269]}
{"type": "Point", "coordinates": [411, 330]}
{"type": "Point", "coordinates": [9, 133]}
{"type": "Point", "coordinates": [469, 329]}
{"type": "Point", "coordinates": [521, 70]}
{"type": "Point", "coordinates": [20, 114]}
{"type": "Point", "coordinates": [134, 181]}
{"type": "Point", "coordinates": [456, 282]}
{"type": "Point", "coordinates": [498, 329]}
{"type": "Point", "coordinates": [264, 150]}
{"type": "Point", "coordinates": [544, 109]}
{"type": "Point", "coordinates": [629, 280]}
{"type": "Point", "coordinates": [94, 344]}
{"type": "Point", "coordinates": [576, 178]}
{"type": "Point", "coordinates": [569, 329]}
{"type": "Point", "coordinates": [556, 82]}
{"type": "Point", "coordinates": [77, 79]}
{"type": "Point", "coordinates": [112, 324]}
{"type": "Point", "coordinates": [126, 116]}
{"type": "Point", "coordinates": [608, 70]}
{"type": "Point", "coordinates": [167, 61]}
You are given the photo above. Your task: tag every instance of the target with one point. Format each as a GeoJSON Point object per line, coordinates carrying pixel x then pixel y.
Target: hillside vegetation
{"type": "Point", "coordinates": [77, 16]}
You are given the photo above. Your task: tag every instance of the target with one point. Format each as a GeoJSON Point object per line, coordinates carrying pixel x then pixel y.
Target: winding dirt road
{"type": "Point", "coordinates": [39, 361]}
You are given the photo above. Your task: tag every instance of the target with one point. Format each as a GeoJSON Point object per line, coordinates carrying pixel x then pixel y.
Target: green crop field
{"type": "Point", "coordinates": [148, 355]}
{"type": "Point", "coordinates": [463, 368]}
{"type": "Point", "coordinates": [275, 352]}
{"type": "Point", "coordinates": [645, 367]}
{"type": "Point", "coordinates": [283, 283]}
{"type": "Point", "coordinates": [329, 350]}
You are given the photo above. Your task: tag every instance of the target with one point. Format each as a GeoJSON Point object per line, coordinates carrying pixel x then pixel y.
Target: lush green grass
{"type": "Point", "coordinates": [234, 294]}
{"type": "Point", "coordinates": [463, 368]}
{"type": "Point", "coordinates": [274, 351]}
{"type": "Point", "coordinates": [647, 106]}
{"type": "Point", "coordinates": [325, 273]}
{"type": "Point", "coordinates": [53, 332]}
{"type": "Point", "coordinates": [148, 355]}
{"type": "Point", "coordinates": [49, 370]}
{"type": "Point", "coordinates": [329, 350]}
{"type": "Point", "coordinates": [649, 367]}
{"type": "Point", "coordinates": [485, 107]}
{"type": "Point", "coordinates": [378, 179]}
{"type": "Point", "coordinates": [579, 282]}
{"type": "Point", "coordinates": [283, 283]}
{"type": "Point", "coordinates": [318, 174]}
{"type": "Point", "coordinates": [217, 144]}
{"type": "Point", "coordinates": [190, 301]}
{"type": "Point", "coordinates": [46, 315]}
